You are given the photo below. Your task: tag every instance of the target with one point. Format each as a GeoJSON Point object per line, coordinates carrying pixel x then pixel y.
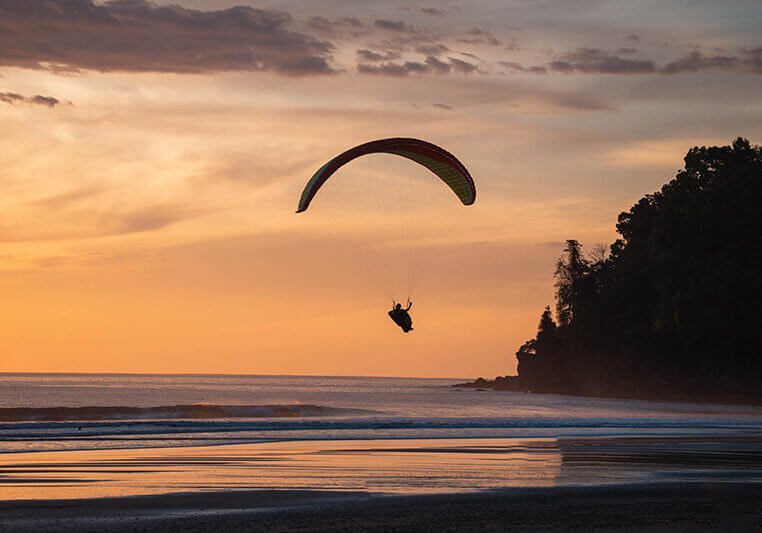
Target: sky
{"type": "Point", "coordinates": [152, 156]}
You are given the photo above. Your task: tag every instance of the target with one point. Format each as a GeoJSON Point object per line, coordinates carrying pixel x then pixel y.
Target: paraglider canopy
{"type": "Point", "coordinates": [389, 202]}
{"type": "Point", "coordinates": [438, 160]}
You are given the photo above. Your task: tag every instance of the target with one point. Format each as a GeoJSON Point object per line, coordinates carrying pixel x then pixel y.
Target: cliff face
{"type": "Point", "coordinates": [672, 308]}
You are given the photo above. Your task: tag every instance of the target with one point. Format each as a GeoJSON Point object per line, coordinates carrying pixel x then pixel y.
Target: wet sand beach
{"type": "Point", "coordinates": [648, 507]}
{"type": "Point", "coordinates": [709, 482]}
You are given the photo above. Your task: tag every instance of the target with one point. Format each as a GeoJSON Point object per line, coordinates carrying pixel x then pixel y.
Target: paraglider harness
{"type": "Point", "coordinates": [401, 316]}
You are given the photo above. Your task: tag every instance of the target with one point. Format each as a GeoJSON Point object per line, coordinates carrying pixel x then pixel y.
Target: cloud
{"type": "Point", "coordinates": [433, 11]}
{"type": "Point", "coordinates": [518, 67]}
{"type": "Point", "coordinates": [140, 36]}
{"type": "Point", "coordinates": [597, 61]}
{"type": "Point", "coordinates": [431, 65]}
{"type": "Point", "coordinates": [437, 65]}
{"type": "Point", "coordinates": [432, 49]}
{"type": "Point", "coordinates": [145, 219]}
{"type": "Point", "coordinates": [393, 25]}
{"type": "Point", "coordinates": [83, 224]}
{"type": "Point", "coordinates": [472, 56]}
{"type": "Point", "coordinates": [394, 69]}
{"type": "Point", "coordinates": [12, 98]}
{"type": "Point", "coordinates": [334, 27]}
{"type": "Point", "coordinates": [349, 21]}
{"type": "Point", "coordinates": [696, 61]}
{"type": "Point", "coordinates": [38, 99]}
{"type": "Point", "coordinates": [370, 55]}
{"type": "Point", "coordinates": [45, 100]}
{"type": "Point", "coordinates": [62, 200]}
{"type": "Point", "coordinates": [479, 36]}
{"type": "Point", "coordinates": [443, 106]}
{"type": "Point", "coordinates": [464, 67]}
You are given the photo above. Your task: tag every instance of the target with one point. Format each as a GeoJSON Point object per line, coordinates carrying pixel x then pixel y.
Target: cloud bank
{"type": "Point", "coordinates": [140, 36]}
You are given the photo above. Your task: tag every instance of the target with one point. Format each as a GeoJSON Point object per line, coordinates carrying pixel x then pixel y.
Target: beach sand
{"type": "Point", "coordinates": [710, 482]}
{"type": "Point", "coordinates": [660, 507]}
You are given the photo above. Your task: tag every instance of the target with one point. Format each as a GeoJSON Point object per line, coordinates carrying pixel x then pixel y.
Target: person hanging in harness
{"type": "Point", "coordinates": [401, 316]}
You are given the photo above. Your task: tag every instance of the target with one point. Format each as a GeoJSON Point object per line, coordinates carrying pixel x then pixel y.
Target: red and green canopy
{"type": "Point", "coordinates": [438, 160]}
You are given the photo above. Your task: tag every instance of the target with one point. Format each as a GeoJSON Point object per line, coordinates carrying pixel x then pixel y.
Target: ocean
{"type": "Point", "coordinates": [51, 412]}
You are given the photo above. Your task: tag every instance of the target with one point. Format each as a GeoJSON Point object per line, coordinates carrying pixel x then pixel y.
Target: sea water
{"type": "Point", "coordinates": [48, 412]}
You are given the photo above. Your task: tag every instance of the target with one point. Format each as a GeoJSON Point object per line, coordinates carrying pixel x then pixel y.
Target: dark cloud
{"type": "Point", "coordinates": [633, 38]}
{"type": "Point", "coordinates": [393, 25]}
{"type": "Point", "coordinates": [443, 106]}
{"type": "Point", "coordinates": [415, 67]}
{"type": "Point", "coordinates": [696, 61]}
{"type": "Point", "coordinates": [334, 27]}
{"type": "Point", "coordinates": [38, 99]}
{"type": "Point", "coordinates": [431, 65]}
{"type": "Point", "coordinates": [350, 21]}
{"type": "Point", "coordinates": [45, 100]}
{"type": "Point", "coordinates": [385, 69]}
{"type": "Point", "coordinates": [12, 98]}
{"type": "Point", "coordinates": [433, 11]}
{"type": "Point", "coordinates": [464, 67]}
{"type": "Point", "coordinates": [140, 36]}
{"type": "Point", "coordinates": [479, 36]}
{"type": "Point", "coordinates": [472, 56]}
{"type": "Point", "coordinates": [320, 23]}
{"type": "Point", "coordinates": [597, 61]}
{"type": "Point", "coordinates": [437, 65]}
{"type": "Point", "coordinates": [324, 23]}
{"type": "Point", "coordinates": [518, 67]}
{"type": "Point", "coordinates": [432, 49]}
{"type": "Point", "coordinates": [370, 55]}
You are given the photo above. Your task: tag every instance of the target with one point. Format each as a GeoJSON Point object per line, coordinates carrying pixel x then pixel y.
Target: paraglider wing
{"type": "Point", "coordinates": [438, 160]}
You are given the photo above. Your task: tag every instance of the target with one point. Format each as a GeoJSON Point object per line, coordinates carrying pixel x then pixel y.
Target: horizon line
{"type": "Point", "coordinates": [225, 374]}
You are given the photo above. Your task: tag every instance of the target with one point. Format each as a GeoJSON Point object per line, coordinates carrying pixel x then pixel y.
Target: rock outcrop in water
{"type": "Point", "coordinates": [672, 308]}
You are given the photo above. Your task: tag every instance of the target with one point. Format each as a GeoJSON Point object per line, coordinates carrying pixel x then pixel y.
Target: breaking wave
{"type": "Point", "coordinates": [171, 412]}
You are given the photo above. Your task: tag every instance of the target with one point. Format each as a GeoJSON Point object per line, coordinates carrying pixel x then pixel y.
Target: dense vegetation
{"type": "Point", "coordinates": [672, 309]}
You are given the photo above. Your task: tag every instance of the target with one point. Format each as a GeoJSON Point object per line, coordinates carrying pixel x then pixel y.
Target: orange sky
{"type": "Point", "coordinates": [147, 218]}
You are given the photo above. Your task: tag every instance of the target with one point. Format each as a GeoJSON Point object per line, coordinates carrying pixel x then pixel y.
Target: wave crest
{"type": "Point", "coordinates": [170, 412]}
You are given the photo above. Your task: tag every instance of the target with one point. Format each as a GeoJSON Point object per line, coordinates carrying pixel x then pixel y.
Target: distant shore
{"type": "Point", "coordinates": [515, 384]}
{"type": "Point", "coordinates": [647, 507]}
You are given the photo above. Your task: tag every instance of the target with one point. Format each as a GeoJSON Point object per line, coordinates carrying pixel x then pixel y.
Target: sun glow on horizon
{"type": "Point", "coordinates": [147, 217]}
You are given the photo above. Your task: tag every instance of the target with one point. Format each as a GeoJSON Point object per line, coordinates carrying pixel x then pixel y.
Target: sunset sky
{"type": "Point", "coordinates": [152, 156]}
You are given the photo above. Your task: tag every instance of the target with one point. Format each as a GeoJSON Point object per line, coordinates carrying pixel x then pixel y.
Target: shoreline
{"type": "Point", "coordinates": [696, 506]}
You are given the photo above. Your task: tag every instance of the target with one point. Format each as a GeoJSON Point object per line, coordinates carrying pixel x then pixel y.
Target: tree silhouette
{"type": "Point", "coordinates": [674, 306]}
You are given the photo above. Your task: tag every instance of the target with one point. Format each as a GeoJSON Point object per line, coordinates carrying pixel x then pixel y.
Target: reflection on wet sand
{"type": "Point", "coordinates": [384, 466]}
{"type": "Point", "coordinates": [660, 458]}
{"type": "Point", "coordinates": [378, 466]}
